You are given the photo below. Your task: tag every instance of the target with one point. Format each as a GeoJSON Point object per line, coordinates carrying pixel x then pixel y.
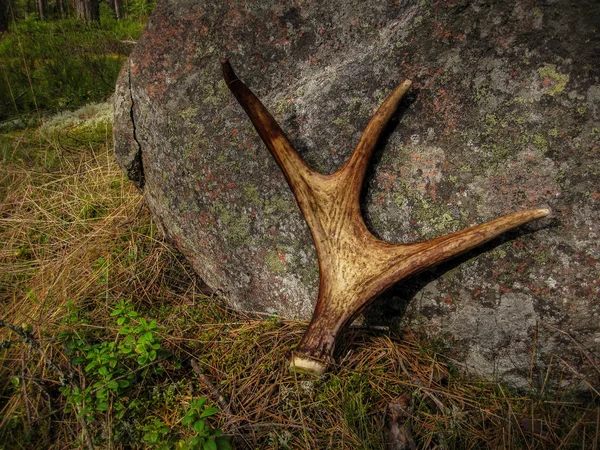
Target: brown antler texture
{"type": "Point", "coordinates": [354, 265]}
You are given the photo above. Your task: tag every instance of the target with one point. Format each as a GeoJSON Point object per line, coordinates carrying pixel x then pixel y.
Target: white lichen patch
{"type": "Point", "coordinates": [90, 115]}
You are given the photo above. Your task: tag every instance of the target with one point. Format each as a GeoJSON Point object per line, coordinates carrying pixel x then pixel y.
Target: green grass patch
{"type": "Point", "coordinates": [53, 65]}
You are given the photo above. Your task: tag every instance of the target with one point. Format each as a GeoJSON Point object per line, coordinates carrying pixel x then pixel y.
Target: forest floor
{"type": "Point", "coordinates": [107, 340]}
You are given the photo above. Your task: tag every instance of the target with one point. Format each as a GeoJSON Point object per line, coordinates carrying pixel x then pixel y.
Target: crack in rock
{"type": "Point", "coordinates": [135, 170]}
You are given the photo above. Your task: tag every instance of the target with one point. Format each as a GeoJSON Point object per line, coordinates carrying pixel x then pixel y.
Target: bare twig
{"type": "Point", "coordinates": [418, 383]}
{"type": "Point", "coordinates": [225, 406]}
{"type": "Point", "coordinates": [275, 425]}
{"type": "Point", "coordinates": [29, 339]}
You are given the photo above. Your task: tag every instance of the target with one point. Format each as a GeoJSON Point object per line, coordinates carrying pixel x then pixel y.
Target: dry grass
{"type": "Point", "coordinates": [76, 237]}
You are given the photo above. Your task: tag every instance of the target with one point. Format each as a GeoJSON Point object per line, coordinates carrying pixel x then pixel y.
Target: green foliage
{"type": "Point", "coordinates": [110, 367]}
{"type": "Point", "coordinates": [159, 436]}
{"type": "Point", "coordinates": [156, 435]}
{"type": "Point", "coordinates": [64, 63]}
{"type": "Point", "coordinates": [139, 335]}
{"type": "Point", "coordinates": [206, 437]}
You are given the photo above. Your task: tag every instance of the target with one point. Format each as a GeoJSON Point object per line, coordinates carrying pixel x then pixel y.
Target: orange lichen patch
{"type": "Point", "coordinates": [281, 256]}
{"type": "Point", "coordinates": [441, 32]}
{"type": "Point", "coordinates": [446, 105]}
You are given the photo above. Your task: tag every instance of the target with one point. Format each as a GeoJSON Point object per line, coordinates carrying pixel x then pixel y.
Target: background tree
{"type": "Point", "coordinates": [40, 6]}
{"type": "Point", "coordinates": [88, 10]}
{"type": "Point", "coordinates": [117, 7]}
{"type": "Point", "coordinates": [4, 15]}
{"type": "Point", "coordinates": [60, 8]}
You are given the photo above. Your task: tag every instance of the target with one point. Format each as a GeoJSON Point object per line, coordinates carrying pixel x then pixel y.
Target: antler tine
{"type": "Point", "coordinates": [413, 258]}
{"type": "Point", "coordinates": [445, 247]}
{"type": "Point", "coordinates": [356, 165]}
{"type": "Point", "coordinates": [292, 165]}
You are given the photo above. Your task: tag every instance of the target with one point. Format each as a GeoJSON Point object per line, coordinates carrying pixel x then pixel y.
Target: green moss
{"type": "Point", "coordinates": [308, 273]}
{"type": "Point", "coordinates": [380, 96]}
{"type": "Point", "coordinates": [274, 263]}
{"type": "Point", "coordinates": [541, 258]}
{"type": "Point", "coordinates": [540, 142]}
{"type": "Point", "coordinates": [497, 253]}
{"type": "Point", "coordinates": [399, 198]}
{"type": "Point", "coordinates": [482, 93]}
{"type": "Point", "coordinates": [435, 216]}
{"type": "Point", "coordinates": [216, 95]}
{"type": "Point", "coordinates": [498, 154]}
{"type": "Point", "coordinates": [228, 161]}
{"type": "Point", "coordinates": [491, 120]}
{"type": "Point", "coordinates": [283, 106]}
{"type": "Point", "coordinates": [278, 204]}
{"type": "Point", "coordinates": [558, 80]}
{"type": "Point", "coordinates": [189, 113]}
{"type": "Point", "coordinates": [239, 230]}
{"type": "Point", "coordinates": [520, 120]}
{"type": "Point", "coordinates": [342, 122]}
{"type": "Point", "coordinates": [236, 226]}
{"type": "Point", "coordinates": [250, 194]}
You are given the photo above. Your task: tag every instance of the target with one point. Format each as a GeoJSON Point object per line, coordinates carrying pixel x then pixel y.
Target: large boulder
{"type": "Point", "coordinates": [504, 114]}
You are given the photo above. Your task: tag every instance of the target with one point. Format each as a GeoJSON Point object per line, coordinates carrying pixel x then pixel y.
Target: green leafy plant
{"type": "Point", "coordinates": [156, 435]}
{"type": "Point", "coordinates": [111, 367]}
{"type": "Point", "coordinates": [100, 266]}
{"type": "Point", "coordinates": [206, 438]}
{"type": "Point", "coordinates": [139, 335]}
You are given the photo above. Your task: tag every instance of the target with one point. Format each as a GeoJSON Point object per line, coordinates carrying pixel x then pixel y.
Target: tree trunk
{"type": "Point", "coordinates": [40, 6]}
{"type": "Point", "coordinates": [4, 15]}
{"type": "Point", "coordinates": [61, 8]}
{"type": "Point", "coordinates": [88, 10]}
{"type": "Point", "coordinates": [117, 7]}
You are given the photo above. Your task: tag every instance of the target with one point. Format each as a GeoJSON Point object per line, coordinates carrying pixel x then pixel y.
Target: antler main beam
{"type": "Point", "coordinates": [354, 265]}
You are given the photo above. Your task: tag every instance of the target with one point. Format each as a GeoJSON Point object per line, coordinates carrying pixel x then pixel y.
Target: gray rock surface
{"type": "Point", "coordinates": [504, 114]}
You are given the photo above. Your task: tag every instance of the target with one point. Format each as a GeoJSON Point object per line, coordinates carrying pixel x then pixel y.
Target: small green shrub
{"type": "Point", "coordinates": [158, 435]}
{"type": "Point", "coordinates": [206, 438]}
{"type": "Point", "coordinates": [111, 366]}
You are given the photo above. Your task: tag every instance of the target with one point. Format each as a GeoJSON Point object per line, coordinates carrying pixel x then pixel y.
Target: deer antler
{"type": "Point", "coordinates": [354, 265]}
